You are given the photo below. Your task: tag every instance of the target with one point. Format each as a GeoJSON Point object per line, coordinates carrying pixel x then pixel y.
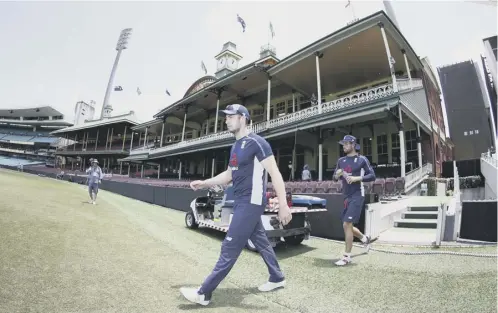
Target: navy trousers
{"type": "Point", "coordinates": [246, 224]}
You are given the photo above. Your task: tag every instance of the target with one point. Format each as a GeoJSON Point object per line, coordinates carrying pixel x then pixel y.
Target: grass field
{"type": "Point", "coordinates": [60, 254]}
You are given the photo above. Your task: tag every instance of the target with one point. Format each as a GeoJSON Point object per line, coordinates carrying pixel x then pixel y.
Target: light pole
{"type": "Point", "coordinates": [120, 46]}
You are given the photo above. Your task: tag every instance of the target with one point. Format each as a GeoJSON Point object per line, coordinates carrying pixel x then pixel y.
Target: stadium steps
{"type": "Point", "coordinates": [418, 217]}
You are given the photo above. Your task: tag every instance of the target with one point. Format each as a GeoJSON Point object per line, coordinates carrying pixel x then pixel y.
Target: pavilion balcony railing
{"type": "Point", "coordinates": [490, 158]}
{"type": "Point", "coordinates": [345, 102]}
{"type": "Point", "coordinates": [414, 177]}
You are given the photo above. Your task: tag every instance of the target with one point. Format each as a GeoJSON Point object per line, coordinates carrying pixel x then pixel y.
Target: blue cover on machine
{"type": "Point", "coordinates": [302, 200]}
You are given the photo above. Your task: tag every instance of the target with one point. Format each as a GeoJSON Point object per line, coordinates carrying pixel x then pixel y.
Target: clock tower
{"type": "Point", "coordinates": [227, 60]}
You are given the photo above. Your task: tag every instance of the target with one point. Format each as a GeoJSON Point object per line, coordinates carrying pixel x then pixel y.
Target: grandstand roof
{"type": "Point", "coordinates": [360, 41]}
{"type": "Point", "coordinates": [127, 118]}
{"type": "Point", "coordinates": [30, 112]}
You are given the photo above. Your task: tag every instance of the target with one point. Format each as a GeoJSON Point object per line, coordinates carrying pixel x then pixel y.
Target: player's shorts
{"type": "Point", "coordinates": [352, 209]}
{"type": "Point", "coordinates": [93, 187]}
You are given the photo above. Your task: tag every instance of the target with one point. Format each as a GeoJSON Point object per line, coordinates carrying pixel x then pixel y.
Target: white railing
{"type": "Point", "coordinates": [345, 102]}
{"type": "Point", "coordinates": [490, 158]}
{"type": "Point", "coordinates": [489, 169]}
{"type": "Point", "coordinates": [455, 205]}
{"type": "Point", "coordinates": [404, 84]}
{"type": "Point", "coordinates": [417, 175]}
{"type": "Point", "coordinates": [380, 217]}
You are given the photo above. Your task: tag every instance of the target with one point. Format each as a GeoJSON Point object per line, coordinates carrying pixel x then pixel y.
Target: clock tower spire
{"type": "Point", "coordinates": [227, 60]}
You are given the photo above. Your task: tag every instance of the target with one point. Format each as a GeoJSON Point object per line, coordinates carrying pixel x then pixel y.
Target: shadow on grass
{"type": "Point", "coordinates": [282, 250]}
{"type": "Point", "coordinates": [232, 298]}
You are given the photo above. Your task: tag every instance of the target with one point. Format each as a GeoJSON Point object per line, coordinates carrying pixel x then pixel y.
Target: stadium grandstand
{"type": "Point", "coordinates": [371, 85]}
{"type": "Point", "coordinates": [25, 136]}
{"type": "Point", "coordinates": [107, 139]}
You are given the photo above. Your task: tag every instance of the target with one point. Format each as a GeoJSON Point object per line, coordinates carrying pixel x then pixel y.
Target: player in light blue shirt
{"type": "Point", "coordinates": [95, 176]}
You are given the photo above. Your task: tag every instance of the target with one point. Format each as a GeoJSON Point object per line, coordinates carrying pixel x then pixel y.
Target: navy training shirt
{"type": "Point", "coordinates": [357, 165]}
{"type": "Point", "coordinates": [248, 174]}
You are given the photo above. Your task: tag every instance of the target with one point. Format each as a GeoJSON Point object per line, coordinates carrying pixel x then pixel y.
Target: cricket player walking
{"type": "Point", "coordinates": [95, 176]}
{"type": "Point", "coordinates": [251, 158]}
{"type": "Point", "coordinates": [353, 169]}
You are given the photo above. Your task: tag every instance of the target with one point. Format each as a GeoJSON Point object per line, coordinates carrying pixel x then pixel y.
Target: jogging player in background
{"type": "Point", "coordinates": [353, 170]}
{"type": "Point", "coordinates": [251, 158]}
{"type": "Point", "coordinates": [95, 176]}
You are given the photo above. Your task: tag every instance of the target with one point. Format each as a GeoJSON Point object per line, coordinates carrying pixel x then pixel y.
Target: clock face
{"type": "Point", "coordinates": [222, 62]}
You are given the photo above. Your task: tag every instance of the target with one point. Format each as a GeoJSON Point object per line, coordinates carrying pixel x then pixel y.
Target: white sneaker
{"type": "Point", "coordinates": [269, 286]}
{"type": "Point", "coordinates": [93, 203]}
{"type": "Point", "coordinates": [344, 261]}
{"type": "Point", "coordinates": [191, 295]}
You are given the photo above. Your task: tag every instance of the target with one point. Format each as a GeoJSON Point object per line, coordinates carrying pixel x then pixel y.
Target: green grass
{"type": "Point", "coordinates": [59, 254]}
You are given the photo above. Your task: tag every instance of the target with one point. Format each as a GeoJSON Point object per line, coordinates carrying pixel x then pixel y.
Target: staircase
{"type": "Point", "coordinates": [418, 217]}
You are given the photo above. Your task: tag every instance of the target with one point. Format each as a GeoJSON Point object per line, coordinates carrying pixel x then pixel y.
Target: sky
{"type": "Point", "coordinates": [58, 53]}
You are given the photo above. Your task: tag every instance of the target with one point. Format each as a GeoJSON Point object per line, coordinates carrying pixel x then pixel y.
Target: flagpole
{"type": "Point", "coordinates": [269, 34]}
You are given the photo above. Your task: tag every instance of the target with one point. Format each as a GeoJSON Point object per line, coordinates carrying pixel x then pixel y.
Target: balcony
{"type": "Point", "coordinates": [346, 102]}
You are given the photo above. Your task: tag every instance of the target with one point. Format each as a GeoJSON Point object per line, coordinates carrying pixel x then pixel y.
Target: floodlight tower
{"type": "Point", "coordinates": [120, 46]}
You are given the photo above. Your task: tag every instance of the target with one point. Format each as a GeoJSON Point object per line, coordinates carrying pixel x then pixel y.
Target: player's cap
{"type": "Point", "coordinates": [348, 138]}
{"type": "Point", "coordinates": [234, 109]}
{"type": "Point", "coordinates": [95, 161]}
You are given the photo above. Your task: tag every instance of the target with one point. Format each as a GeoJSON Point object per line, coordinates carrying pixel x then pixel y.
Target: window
{"type": "Point", "coordinates": [280, 108]}
{"type": "Point", "coordinates": [411, 146]}
{"type": "Point", "coordinates": [395, 148]}
{"type": "Point", "coordinates": [465, 133]}
{"type": "Point", "coordinates": [289, 106]}
{"type": "Point", "coordinates": [382, 155]}
{"type": "Point", "coordinates": [367, 148]}
{"type": "Point", "coordinates": [476, 131]}
{"type": "Point", "coordinates": [471, 132]}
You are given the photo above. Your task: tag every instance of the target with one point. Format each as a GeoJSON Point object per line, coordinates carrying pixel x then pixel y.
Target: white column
{"type": "Point", "coordinates": [293, 162]}
{"type": "Point", "coordinates": [131, 142]}
{"type": "Point", "coordinates": [158, 171]}
{"type": "Point", "coordinates": [180, 171]}
{"type": "Point", "coordinates": [419, 146]}
{"type": "Point", "coordinates": [142, 171]}
{"type": "Point", "coordinates": [402, 147]}
{"type": "Point", "coordinates": [212, 168]}
{"type": "Point", "coordinates": [184, 123]}
{"type": "Point", "coordinates": [318, 83]}
{"type": "Point", "coordinates": [96, 140]}
{"type": "Point", "coordinates": [407, 68]}
{"type": "Point", "coordinates": [110, 139]}
{"type": "Point", "coordinates": [320, 155]}
{"type": "Point", "coordinates": [389, 58]}
{"type": "Point", "coordinates": [162, 133]}
{"type": "Point", "coordinates": [217, 110]}
{"type": "Point", "coordinates": [124, 137]}
{"type": "Point", "coordinates": [293, 101]}
{"type": "Point", "coordinates": [145, 138]}
{"type": "Point", "coordinates": [107, 139]}
{"type": "Point", "coordinates": [268, 100]}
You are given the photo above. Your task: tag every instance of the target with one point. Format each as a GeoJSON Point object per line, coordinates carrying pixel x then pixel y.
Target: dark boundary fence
{"type": "Point", "coordinates": [479, 220]}
{"type": "Point", "coordinates": [323, 224]}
